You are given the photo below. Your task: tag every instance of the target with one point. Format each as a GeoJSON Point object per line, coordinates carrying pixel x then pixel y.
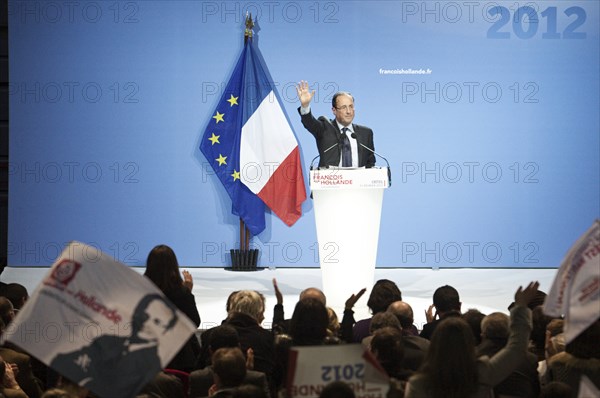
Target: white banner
{"type": "Point", "coordinates": [575, 292]}
{"type": "Point", "coordinates": [99, 323]}
{"type": "Point", "coordinates": [312, 368]}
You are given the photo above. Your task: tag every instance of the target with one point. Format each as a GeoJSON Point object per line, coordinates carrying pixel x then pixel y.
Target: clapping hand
{"type": "Point", "coordinates": [188, 281]}
{"type": "Point", "coordinates": [430, 315]}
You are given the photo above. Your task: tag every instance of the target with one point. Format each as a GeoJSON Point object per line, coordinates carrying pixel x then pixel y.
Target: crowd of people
{"type": "Point", "coordinates": [457, 353]}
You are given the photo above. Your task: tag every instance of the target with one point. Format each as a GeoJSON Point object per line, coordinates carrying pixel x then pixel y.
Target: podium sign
{"type": "Point", "coordinates": [347, 205]}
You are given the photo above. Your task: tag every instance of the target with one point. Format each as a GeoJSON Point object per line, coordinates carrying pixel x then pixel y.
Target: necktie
{"type": "Point", "coordinates": [346, 151]}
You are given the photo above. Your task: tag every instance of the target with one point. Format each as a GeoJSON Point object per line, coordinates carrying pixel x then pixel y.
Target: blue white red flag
{"type": "Point", "coordinates": [252, 147]}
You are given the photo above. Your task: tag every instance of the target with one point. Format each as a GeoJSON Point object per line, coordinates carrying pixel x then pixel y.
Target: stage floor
{"type": "Point", "coordinates": [488, 290]}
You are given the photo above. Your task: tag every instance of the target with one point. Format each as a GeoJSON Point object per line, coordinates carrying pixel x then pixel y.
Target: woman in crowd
{"type": "Point", "coordinates": [162, 269]}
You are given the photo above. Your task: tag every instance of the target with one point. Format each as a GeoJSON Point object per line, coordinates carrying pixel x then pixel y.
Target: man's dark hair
{"type": "Point", "coordinates": [249, 391]}
{"type": "Point", "coordinates": [384, 319]}
{"type": "Point", "coordinates": [446, 299]}
{"type": "Point", "coordinates": [336, 95]}
{"type": "Point", "coordinates": [309, 322]}
{"type": "Point", "coordinates": [337, 389]}
{"type": "Point", "coordinates": [229, 365]}
{"type": "Point", "coordinates": [474, 317]}
{"type": "Point", "coordinates": [223, 336]}
{"type": "Point", "coordinates": [388, 349]}
{"type": "Point", "coordinates": [384, 293]}
{"type": "Point", "coordinates": [16, 293]}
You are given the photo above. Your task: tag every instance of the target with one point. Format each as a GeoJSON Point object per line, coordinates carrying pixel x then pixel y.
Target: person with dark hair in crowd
{"type": "Point", "coordinates": [249, 391]}
{"type": "Point", "coordinates": [165, 385]}
{"type": "Point", "coordinates": [474, 317]}
{"type": "Point", "coordinates": [386, 345]}
{"type": "Point", "coordinates": [537, 338]}
{"type": "Point", "coordinates": [446, 303]}
{"type": "Point", "coordinates": [384, 293]}
{"type": "Point", "coordinates": [224, 336]}
{"type": "Point", "coordinates": [162, 269]}
{"type": "Point", "coordinates": [451, 368]}
{"type": "Point", "coordinates": [17, 294]}
{"type": "Point", "coordinates": [280, 324]}
{"type": "Point", "coordinates": [380, 321]}
{"type": "Point", "coordinates": [229, 369]}
{"type": "Point", "coordinates": [337, 389]}
{"type": "Point", "coordinates": [524, 380]}
{"type": "Point", "coordinates": [308, 326]}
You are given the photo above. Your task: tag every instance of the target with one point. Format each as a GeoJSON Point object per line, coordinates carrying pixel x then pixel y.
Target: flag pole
{"type": "Point", "coordinates": [245, 259]}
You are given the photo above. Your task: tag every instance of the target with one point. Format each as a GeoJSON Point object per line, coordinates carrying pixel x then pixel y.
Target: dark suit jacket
{"type": "Point", "coordinates": [202, 379]}
{"type": "Point", "coordinates": [251, 335]}
{"type": "Point", "coordinates": [327, 133]}
{"type": "Point", "coordinates": [184, 300]}
{"type": "Point", "coordinates": [428, 328]}
{"type": "Point", "coordinates": [415, 348]}
{"type": "Point", "coordinates": [164, 386]}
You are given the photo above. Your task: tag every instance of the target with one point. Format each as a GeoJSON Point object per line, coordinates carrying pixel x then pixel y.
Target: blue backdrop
{"type": "Point", "coordinates": [487, 111]}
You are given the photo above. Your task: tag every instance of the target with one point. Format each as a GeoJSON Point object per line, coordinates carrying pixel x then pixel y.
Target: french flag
{"type": "Point", "coordinates": [252, 148]}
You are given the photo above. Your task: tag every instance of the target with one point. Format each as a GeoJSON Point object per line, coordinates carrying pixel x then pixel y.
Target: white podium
{"type": "Point", "coordinates": [347, 205]}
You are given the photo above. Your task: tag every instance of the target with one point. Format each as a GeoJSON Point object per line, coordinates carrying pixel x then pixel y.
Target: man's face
{"type": "Point", "coordinates": [344, 109]}
{"type": "Point", "coordinates": [159, 317]}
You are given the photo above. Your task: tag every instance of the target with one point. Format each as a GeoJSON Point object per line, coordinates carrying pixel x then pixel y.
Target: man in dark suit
{"type": "Point", "coordinates": [340, 142]}
{"type": "Point", "coordinates": [446, 303]}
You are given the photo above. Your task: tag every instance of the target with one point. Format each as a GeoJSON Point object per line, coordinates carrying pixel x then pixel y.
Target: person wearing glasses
{"type": "Point", "coordinates": [340, 142]}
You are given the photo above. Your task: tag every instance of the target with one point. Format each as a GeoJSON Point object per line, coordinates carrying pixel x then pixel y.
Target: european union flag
{"type": "Point", "coordinates": [221, 146]}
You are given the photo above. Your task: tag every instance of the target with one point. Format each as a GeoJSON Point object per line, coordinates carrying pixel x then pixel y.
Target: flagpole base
{"type": "Point", "coordinates": [244, 260]}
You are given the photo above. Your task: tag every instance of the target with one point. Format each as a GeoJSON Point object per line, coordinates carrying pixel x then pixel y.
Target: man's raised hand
{"type": "Point", "coordinates": [304, 93]}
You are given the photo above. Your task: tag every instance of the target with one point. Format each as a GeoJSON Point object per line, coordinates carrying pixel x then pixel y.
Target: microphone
{"type": "Point", "coordinates": [324, 152]}
{"type": "Point", "coordinates": [372, 151]}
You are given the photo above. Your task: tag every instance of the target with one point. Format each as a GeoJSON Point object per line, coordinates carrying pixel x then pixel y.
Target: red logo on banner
{"type": "Point", "coordinates": [64, 272]}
